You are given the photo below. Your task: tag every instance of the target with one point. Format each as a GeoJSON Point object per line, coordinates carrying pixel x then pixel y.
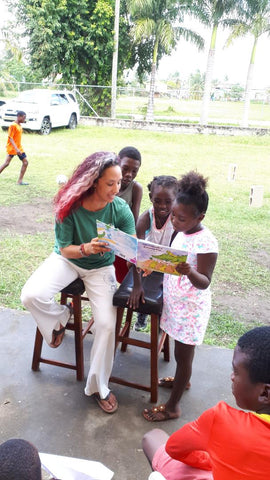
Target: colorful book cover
{"type": "Point", "coordinates": [146, 255]}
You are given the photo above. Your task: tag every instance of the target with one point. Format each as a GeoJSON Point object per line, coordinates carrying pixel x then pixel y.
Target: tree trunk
{"type": "Point", "coordinates": [249, 85]}
{"type": "Point", "coordinates": [150, 107]}
{"type": "Point", "coordinates": [115, 59]}
{"type": "Point", "coordinates": [208, 78]}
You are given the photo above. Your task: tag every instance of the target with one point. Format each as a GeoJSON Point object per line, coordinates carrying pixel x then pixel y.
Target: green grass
{"type": "Point", "coordinates": [224, 330]}
{"type": "Point", "coordinates": [242, 231]}
{"type": "Point", "coordinates": [220, 112]}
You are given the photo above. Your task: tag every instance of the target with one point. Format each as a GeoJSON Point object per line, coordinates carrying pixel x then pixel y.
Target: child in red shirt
{"type": "Point", "coordinates": [225, 443]}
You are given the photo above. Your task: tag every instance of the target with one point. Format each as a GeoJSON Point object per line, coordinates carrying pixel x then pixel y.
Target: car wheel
{"type": "Point", "coordinates": [46, 126]}
{"type": "Point", "coordinates": [72, 121]}
{"type": "Point", "coordinates": [4, 129]}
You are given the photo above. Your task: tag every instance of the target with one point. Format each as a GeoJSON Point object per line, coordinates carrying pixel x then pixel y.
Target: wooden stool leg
{"type": "Point", "coordinates": [77, 310]}
{"type": "Point", "coordinates": [127, 328]}
{"type": "Point", "coordinates": [63, 299]}
{"type": "Point", "coordinates": [119, 319]}
{"type": "Point", "coordinates": [37, 350]}
{"type": "Point", "coordinates": [154, 357]}
{"type": "Point", "coordinates": [164, 346]}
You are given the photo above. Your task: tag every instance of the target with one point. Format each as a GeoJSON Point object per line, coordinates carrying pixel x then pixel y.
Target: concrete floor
{"type": "Point", "coordinates": [49, 407]}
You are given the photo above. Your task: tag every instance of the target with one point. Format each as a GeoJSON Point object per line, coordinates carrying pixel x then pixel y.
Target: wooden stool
{"type": "Point", "coordinates": [74, 292]}
{"type": "Point", "coordinates": [153, 306]}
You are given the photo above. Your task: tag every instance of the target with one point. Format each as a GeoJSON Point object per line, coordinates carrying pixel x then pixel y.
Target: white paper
{"type": "Point", "coordinates": [68, 468]}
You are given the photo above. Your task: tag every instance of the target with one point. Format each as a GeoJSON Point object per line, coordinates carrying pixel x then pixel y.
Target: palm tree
{"type": "Point", "coordinates": [212, 13]}
{"type": "Point", "coordinates": [158, 21]}
{"type": "Point", "coordinates": [255, 20]}
{"type": "Point", "coordinates": [115, 57]}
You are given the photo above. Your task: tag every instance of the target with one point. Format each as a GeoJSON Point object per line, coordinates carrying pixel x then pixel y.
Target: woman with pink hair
{"type": "Point", "coordinates": [89, 195]}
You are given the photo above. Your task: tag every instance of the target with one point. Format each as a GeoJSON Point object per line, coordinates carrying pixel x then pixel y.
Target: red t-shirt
{"type": "Point", "coordinates": [233, 443]}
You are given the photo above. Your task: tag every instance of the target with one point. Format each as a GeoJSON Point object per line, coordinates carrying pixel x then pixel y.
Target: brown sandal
{"type": "Point", "coordinates": [57, 335]}
{"type": "Point", "coordinates": [159, 414]}
{"type": "Point", "coordinates": [167, 382]}
{"type": "Point", "coordinates": [105, 403]}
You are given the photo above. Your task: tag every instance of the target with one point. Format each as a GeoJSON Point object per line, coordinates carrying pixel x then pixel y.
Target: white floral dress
{"type": "Point", "coordinates": [186, 309]}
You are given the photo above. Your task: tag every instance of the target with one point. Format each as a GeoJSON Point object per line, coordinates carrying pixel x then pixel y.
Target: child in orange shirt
{"type": "Point", "coordinates": [224, 443]}
{"type": "Point", "coordinates": [14, 146]}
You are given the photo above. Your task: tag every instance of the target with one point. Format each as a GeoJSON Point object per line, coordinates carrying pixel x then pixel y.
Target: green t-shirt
{"type": "Point", "coordinates": [80, 227]}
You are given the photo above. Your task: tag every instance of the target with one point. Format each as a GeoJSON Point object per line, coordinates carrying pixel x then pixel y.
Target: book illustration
{"type": "Point", "coordinates": [146, 255]}
{"type": "Point", "coordinates": [160, 258]}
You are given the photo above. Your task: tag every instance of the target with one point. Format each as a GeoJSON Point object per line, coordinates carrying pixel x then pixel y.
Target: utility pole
{"type": "Point", "coordinates": [115, 58]}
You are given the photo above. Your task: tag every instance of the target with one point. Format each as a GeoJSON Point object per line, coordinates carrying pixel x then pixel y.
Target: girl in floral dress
{"type": "Point", "coordinates": [187, 298]}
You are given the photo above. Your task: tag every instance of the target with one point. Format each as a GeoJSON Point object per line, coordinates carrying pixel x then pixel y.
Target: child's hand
{"type": "Point", "coordinates": [183, 268]}
{"type": "Point", "coordinates": [137, 295]}
{"type": "Point", "coordinates": [146, 273]}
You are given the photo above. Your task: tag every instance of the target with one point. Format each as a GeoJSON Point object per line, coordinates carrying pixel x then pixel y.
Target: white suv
{"type": "Point", "coordinates": [45, 109]}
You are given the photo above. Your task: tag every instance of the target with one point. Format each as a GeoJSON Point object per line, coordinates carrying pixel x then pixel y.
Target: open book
{"type": "Point", "coordinates": [143, 254]}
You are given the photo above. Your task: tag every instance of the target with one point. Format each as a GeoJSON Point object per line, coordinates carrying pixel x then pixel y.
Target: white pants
{"type": "Point", "coordinates": [54, 274]}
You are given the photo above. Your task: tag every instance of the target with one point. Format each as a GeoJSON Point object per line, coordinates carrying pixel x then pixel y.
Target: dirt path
{"type": "Point", "coordinates": [28, 218]}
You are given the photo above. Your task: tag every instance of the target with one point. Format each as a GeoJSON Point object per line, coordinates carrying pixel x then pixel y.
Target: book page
{"type": "Point", "coordinates": [123, 245]}
{"type": "Point", "coordinates": [159, 258]}
{"type": "Point", "coordinates": [68, 468]}
{"type": "Point", "coordinates": [146, 255]}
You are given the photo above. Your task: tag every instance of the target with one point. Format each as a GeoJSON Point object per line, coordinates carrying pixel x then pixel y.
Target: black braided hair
{"type": "Point", "coordinates": [165, 181]}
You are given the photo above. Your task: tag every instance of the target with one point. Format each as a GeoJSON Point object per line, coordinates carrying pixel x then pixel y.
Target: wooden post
{"type": "Point", "coordinates": [232, 172]}
{"type": "Point", "coordinates": [256, 196]}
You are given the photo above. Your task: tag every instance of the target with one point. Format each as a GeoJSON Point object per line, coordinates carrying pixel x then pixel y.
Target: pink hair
{"type": "Point", "coordinates": [81, 183]}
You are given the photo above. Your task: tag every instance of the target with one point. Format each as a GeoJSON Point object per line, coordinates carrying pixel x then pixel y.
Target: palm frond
{"type": "Point", "coordinates": [191, 36]}
{"type": "Point", "coordinates": [143, 29]}
{"type": "Point", "coordinates": [166, 35]}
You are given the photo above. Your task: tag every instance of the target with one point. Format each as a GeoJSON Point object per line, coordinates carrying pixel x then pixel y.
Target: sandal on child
{"type": "Point", "coordinates": [159, 414]}
{"type": "Point", "coordinates": [57, 337]}
{"type": "Point", "coordinates": [108, 404]}
{"type": "Point", "coordinates": [167, 382]}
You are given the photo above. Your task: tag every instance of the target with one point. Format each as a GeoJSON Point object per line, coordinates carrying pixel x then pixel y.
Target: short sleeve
{"type": "Point", "coordinates": [190, 443]}
{"type": "Point", "coordinates": [206, 243]}
{"type": "Point", "coordinates": [64, 232]}
{"type": "Point", "coordinates": [124, 220]}
{"type": "Point", "coordinates": [11, 131]}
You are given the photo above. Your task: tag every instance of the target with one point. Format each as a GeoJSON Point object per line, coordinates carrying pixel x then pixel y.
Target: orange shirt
{"type": "Point", "coordinates": [233, 443]}
{"type": "Point", "coordinates": [14, 132]}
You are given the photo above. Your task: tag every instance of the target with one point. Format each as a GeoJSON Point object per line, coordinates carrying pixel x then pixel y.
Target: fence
{"type": "Point", "coordinates": [181, 106]}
